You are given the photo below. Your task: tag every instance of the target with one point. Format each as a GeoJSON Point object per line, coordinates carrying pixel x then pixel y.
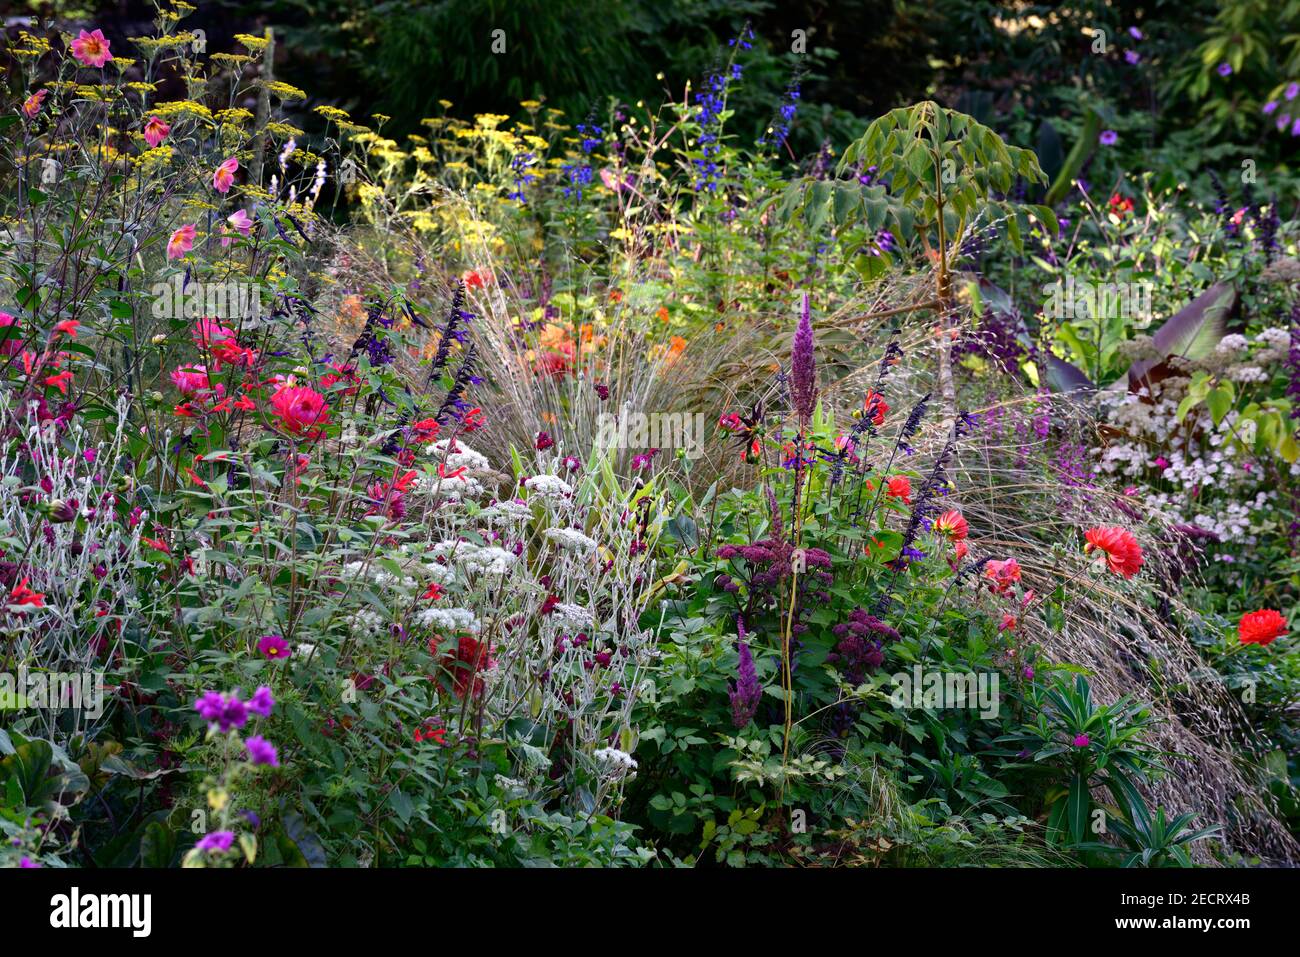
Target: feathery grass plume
{"type": "Point", "coordinates": [803, 366]}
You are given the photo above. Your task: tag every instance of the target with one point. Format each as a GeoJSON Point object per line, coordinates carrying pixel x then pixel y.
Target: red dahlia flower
{"type": "Point", "coordinates": [1123, 553]}
{"type": "Point", "coordinates": [1261, 627]}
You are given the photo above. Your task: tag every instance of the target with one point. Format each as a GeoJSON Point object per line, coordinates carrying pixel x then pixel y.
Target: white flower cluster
{"type": "Point", "coordinates": [450, 620]}
{"type": "Point", "coordinates": [477, 559]}
{"type": "Point", "coordinates": [550, 486]}
{"type": "Point", "coordinates": [571, 617]}
{"type": "Point", "coordinates": [506, 513]}
{"type": "Point", "coordinates": [571, 539]}
{"type": "Point", "coordinates": [616, 760]}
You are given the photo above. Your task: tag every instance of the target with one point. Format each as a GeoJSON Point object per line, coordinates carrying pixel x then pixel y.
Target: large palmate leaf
{"type": "Point", "coordinates": [1192, 332]}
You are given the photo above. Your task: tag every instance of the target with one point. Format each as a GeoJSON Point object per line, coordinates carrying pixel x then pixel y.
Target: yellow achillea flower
{"type": "Point", "coordinates": [177, 107]}
{"type": "Point", "coordinates": [251, 42]}
{"type": "Point", "coordinates": [332, 113]}
{"type": "Point", "coordinates": [234, 59]}
{"type": "Point", "coordinates": [234, 115]}
{"type": "Point", "coordinates": [139, 86]}
{"type": "Point", "coordinates": [283, 130]}
{"type": "Point", "coordinates": [285, 91]}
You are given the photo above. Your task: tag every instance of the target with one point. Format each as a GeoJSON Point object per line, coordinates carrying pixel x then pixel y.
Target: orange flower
{"type": "Point", "coordinates": [662, 313]}
{"type": "Point", "coordinates": [875, 407]}
{"type": "Point", "coordinates": [1123, 553]}
{"type": "Point", "coordinates": [1261, 627]}
{"type": "Point", "coordinates": [182, 241]}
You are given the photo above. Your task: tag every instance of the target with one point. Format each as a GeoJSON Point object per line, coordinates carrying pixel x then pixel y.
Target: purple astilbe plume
{"type": "Point", "coordinates": [746, 692]}
{"type": "Point", "coordinates": [803, 366]}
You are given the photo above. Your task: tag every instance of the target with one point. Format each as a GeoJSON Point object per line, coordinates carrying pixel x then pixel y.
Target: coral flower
{"type": "Point", "coordinates": [224, 177]}
{"type": "Point", "coordinates": [952, 525]}
{"type": "Point", "coordinates": [32, 105]}
{"type": "Point", "coordinates": [91, 49]}
{"type": "Point", "coordinates": [300, 409]}
{"type": "Point", "coordinates": [1003, 574]}
{"type": "Point", "coordinates": [182, 241]}
{"type": "Point", "coordinates": [1123, 553]}
{"type": "Point", "coordinates": [1261, 627]}
{"type": "Point", "coordinates": [156, 130]}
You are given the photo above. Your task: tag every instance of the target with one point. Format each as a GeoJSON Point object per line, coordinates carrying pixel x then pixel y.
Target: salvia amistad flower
{"type": "Point", "coordinates": [182, 241]}
{"type": "Point", "coordinates": [300, 409]}
{"type": "Point", "coordinates": [1261, 627]}
{"type": "Point", "coordinates": [273, 647]}
{"type": "Point", "coordinates": [746, 692]}
{"type": "Point", "coordinates": [1123, 553]}
{"type": "Point", "coordinates": [156, 130]}
{"type": "Point", "coordinates": [803, 366]}
{"type": "Point", "coordinates": [224, 176]}
{"type": "Point", "coordinates": [261, 751]}
{"type": "Point", "coordinates": [91, 49]}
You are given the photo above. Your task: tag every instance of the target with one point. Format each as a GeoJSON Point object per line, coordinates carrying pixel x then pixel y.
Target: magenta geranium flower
{"type": "Point", "coordinates": [261, 751]}
{"type": "Point", "coordinates": [217, 842]}
{"type": "Point", "coordinates": [273, 647]}
{"type": "Point", "coordinates": [91, 49]}
{"type": "Point", "coordinates": [261, 702]}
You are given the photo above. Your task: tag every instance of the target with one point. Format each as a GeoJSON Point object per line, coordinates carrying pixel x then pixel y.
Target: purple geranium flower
{"type": "Point", "coordinates": [1225, 69]}
{"type": "Point", "coordinates": [216, 842]}
{"type": "Point", "coordinates": [1132, 56]}
{"type": "Point", "coordinates": [1135, 33]}
{"type": "Point", "coordinates": [1292, 91]}
{"type": "Point", "coordinates": [225, 711]}
{"type": "Point", "coordinates": [261, 751]}
{"type": "Point", "coordinates": [1269, 107]}
{"type": "Point", "coordinates": [1108, 138]}
{"type": "Point", "coordinates": [262, 702]}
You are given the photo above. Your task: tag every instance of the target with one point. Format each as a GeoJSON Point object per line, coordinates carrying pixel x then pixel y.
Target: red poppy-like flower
{"type": "Point", "coordinates": [300, 409]}
{"type": "Point", "coordinates": [900, 487]}
{"type": "Point", "coordinates": [952, 525]}
{"type": "Point", "coordinates": [1261, 627]}
{"type": "Point", "coordinates": [1123, 553]}
{"type": "Point", "coordinates": [433, 592]}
